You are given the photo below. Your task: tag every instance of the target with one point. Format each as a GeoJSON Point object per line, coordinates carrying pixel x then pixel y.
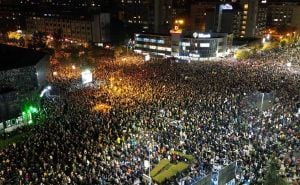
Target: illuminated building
{"type": "Point", "coordinates": [200, 14]}
{"type": "Point", "coordinates": [158, 44]}
{"type": "Point", "coordinates": [184, 45]}
{"type": "Point", "coordinates": [22, 71]}
{"type": "Point", "coordinates": [253, 18]}
{"type": "Point", "coordinates": [85, 28]}
{"type": "Point", "coordinates": [137, 15]}
{"type": "Point", "coordinates": [284, 14]}
{"type": "Point", "coordinates": [15, 14]}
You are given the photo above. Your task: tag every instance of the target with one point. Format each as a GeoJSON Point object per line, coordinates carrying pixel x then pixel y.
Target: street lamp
{"type": "Point", "coordinates": [147, 164]}
{"type": "Point", "coordinates": [179, 22]}
{"type": "Point", "coordinates": [47, 89]}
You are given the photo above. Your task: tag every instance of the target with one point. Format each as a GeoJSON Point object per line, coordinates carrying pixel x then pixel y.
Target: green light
{"type": "Point", "coordinates": [28, 112]}
{"type": "Point", "coordinates": [33, 109]}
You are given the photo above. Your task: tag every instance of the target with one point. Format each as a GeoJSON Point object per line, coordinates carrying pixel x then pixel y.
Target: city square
{"type": "Point", "coordinates": [177, 108]}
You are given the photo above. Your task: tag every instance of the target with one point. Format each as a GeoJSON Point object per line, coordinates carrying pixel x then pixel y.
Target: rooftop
{"type": "Point", "coordinates": [12, 57]}
{"type": "Point", "coordinates": [6, 89]}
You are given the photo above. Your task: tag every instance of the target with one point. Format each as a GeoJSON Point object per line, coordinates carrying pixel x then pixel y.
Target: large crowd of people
{"type": "Point", "coordinates": [155, 108]}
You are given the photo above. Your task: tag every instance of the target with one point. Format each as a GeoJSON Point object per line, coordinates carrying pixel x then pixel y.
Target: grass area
{"type": "Point", "coordinates": [13, 139]}
{"type": "Point", "coordinates": [190, 158]}
{"type": "Point", "coordinates": [162, 164]}
{"type": "Point", "coordinates": [170, 171]}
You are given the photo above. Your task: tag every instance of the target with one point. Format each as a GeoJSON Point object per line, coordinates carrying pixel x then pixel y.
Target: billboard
{"type": "Point", "coordinates": [86, 76]}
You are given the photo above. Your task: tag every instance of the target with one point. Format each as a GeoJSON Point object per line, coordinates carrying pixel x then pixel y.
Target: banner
{"type": "Point", "coordinates": [215, 177]}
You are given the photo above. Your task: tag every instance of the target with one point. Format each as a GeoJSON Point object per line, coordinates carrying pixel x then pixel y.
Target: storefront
{"type": "Point", "coordinates": [184, 45]}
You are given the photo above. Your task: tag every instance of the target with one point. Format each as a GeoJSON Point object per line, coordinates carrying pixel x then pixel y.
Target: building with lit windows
{"type": "Point", "coordinates": [244, 18]}
{"type": "Point", "coordinates": [20, 74]}
{"type": "Point", "coordinates": [13, 13]}
{"type": "Point", "coordinates": [184, 45]}
{"type": "Point", "coordinates": [157, 44]}
{"type": "Point", "coordinates": [253, 18]}
{"type": "Point", "coordinates": [137, 15]}
{"type": "Point", "coordinates": [284, 14]}
{"type": "Point", "coordinates": [85, 28]}
{"type": "Point", "coordinates": [202, 16]}
{"type": "Point", "coordinates": [204, 45]}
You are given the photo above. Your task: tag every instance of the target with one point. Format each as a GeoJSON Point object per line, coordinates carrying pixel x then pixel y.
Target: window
{"type": "Point", "coordinates": [160, 41]}
{"type": "Point", "coordinates": [153, 40]}
{"type": "Point", "coordinates": [152, 47]}
{"type": "Point", "coordinates": [204, 45]}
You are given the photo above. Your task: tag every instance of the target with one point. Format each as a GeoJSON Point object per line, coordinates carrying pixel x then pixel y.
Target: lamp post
{"type": "Point", "coordinates": [148, 164]}
{"type": "Point", "coordinates": [149, 170]}
{"type": "Point", "coordinates": [262, 101]}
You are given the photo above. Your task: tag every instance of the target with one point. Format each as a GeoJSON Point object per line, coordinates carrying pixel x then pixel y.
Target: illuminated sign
{"type": "Point", "coordinates": [201, 35]}
{"type": "Point", "coordinates": [194, 55]}
{"type": "Point", "coordinates": [86, 76]}
{"type": "Point", "coordinates": [204, 45]}
{"type": "Point", "coordinates": [226, 7]}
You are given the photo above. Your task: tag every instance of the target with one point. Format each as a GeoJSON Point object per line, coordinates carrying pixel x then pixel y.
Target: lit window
{"type": "Point", "coordinates": [152, 47]}
{"type": "Point", "coordinates": [153, 40]}
{"type": "Point", "coordinates": [204, 45]}
{"type": "Point", "coordinates": [245, 6]}
{"type": "Point", "coordinates": [161, 48]}
{"type": "Point", "coordinates": [161, 41]}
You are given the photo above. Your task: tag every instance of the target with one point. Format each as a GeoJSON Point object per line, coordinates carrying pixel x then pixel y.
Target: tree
{"type": "Point", "coordinates": [118, 51]}
{"type": "Point", "coordinates": [283, 43]}
{"type": "Point", "coordinates": [242, 54]}
{"type": "Point", "coordinates": [272, 176]}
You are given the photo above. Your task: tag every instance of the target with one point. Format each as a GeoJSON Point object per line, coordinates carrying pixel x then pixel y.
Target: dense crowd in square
{"type": "Point", "coordinates": [208, 101]}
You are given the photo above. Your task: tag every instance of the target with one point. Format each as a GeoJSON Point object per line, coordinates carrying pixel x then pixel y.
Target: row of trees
{"type": "Point", "coordinates": [245, 53]}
